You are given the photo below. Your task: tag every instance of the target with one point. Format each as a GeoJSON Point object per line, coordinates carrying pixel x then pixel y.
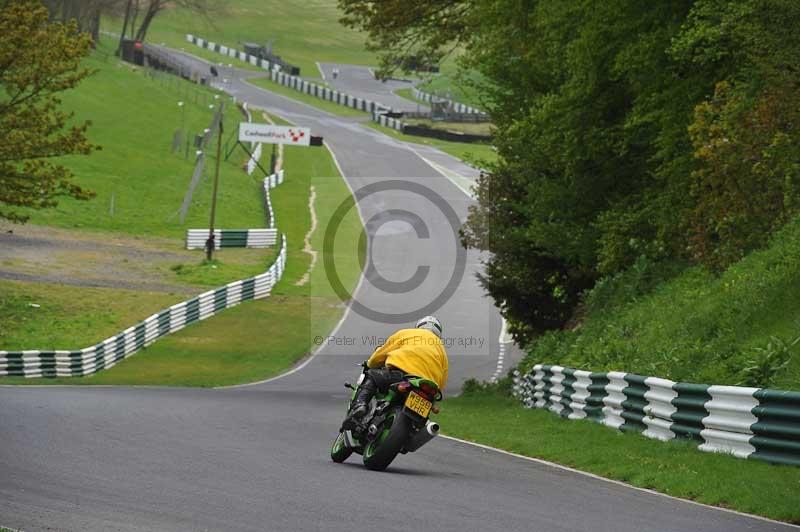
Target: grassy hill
{"type": "Point", "coordinates": [301, 32]}
{"type": "Point", "coordinates": [134, 117]}
{"type": "Point", "coordinates": [741, 327]}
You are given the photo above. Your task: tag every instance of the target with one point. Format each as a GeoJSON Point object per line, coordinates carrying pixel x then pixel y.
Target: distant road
{"type": "Point", "coordinates": [359, 81]}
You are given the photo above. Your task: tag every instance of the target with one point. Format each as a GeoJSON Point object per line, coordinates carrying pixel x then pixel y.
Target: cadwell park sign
{"type": "Point", "coordinates": [270, 134]}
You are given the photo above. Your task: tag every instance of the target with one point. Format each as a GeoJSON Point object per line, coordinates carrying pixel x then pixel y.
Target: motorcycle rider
{"type": "Point", "coordinates": [418, 351]}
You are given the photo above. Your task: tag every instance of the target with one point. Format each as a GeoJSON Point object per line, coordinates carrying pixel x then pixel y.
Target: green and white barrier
{"type": "Point", "coordinates": [297, 83]}
{"type": "Point", "coordinates": [232, 238]}
{"type": "Point", "coordinates": [387, 121]}
{"type": "Point", "coordinates": [36, 363]}
{"type": "Point", "coordinates": [458, 107]}
{"type": "Point", "coordinates": [62, 363]}
{"type": "Point", "coordinates": [255, 147]}
{"type": "Point", "coordinates": [745, 422]}
{"type": "Point", "coordinates": [242, 238]}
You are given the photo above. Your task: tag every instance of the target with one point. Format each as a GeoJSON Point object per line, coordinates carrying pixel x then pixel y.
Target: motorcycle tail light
{"type": "Point", "coordinates": [403, 387]}
{"type": "Point", "coordinates": [428, 389]}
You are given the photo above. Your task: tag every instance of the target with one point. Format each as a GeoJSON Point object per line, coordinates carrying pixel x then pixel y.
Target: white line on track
{"type": "Point", "coordinates": [617, 482]}
{"type": "Point", "coordinates": [314, 354]}
{"type": "Point", "coordinates": [460, 181]}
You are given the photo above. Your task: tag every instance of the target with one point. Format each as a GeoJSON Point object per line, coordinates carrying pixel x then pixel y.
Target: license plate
{"type": "Point", "coordinates": [418, 404]}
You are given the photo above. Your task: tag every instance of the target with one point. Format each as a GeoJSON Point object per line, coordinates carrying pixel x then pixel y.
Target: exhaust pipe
{"type": "Point", "coordinates": [422, 437]}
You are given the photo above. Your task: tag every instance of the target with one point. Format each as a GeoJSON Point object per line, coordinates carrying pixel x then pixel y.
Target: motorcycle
{"type": "Point", "coordinates": [396, 423]}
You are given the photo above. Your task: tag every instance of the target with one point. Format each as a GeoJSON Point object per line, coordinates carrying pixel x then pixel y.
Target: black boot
{"type": "Point", "coordinates": [360, 405]}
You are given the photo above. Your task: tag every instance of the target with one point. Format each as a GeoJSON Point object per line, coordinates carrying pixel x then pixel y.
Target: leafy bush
{"type": "Point", "coordinates": [476, 387]}
{"type": "Point", "coordinates": [740, 327]}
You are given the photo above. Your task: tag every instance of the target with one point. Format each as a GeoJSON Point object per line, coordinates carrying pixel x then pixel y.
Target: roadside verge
{"type": "Point", "coordinates": [675, 468]}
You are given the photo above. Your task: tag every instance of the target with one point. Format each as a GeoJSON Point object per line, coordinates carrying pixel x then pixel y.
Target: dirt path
{"type": "Point", "coordinates": [46, 254]}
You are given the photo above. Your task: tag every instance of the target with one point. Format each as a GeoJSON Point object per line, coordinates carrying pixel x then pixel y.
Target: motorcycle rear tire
{"type": "Point", "coordinates": [395, 431]}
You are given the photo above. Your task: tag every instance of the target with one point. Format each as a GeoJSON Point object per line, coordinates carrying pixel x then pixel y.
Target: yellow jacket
{"type": "Point", "coordinates": [417, 352]}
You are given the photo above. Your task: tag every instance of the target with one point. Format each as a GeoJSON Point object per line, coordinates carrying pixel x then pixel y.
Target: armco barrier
{"type": "Point", "coordinates": [375, 109]}
{"type": "Point", "coordinates": [269, 182]}
{"type": "Point", "coordinates": [389, 122]}
{"type": "Point", "coordinates": [456, 106]}
{"type": "Point", "coordinates": [110, 351]}
{"type": "Point", "coordinates": [255, 147]}
{"type": "Point", "coordinates": [232, 238]}
{"type": "Point", "coordinates": [745, 422]}
{"type": "Point", "coordinates": [235, 236]}
{"type": "Point", "coordinates": [37, 363]}
{"type": "Point", "coordinates": [453, 136]}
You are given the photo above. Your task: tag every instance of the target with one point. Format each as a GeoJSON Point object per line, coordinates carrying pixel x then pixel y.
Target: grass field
{"type": "Point", "coordinates": [301, 32]}
{"type": "Point", "coordinates": [67, 316]}
{"type": "Point", "coordinates": [136, 166]}
{"type": "Point", "coordinates": [409, 95]}
{"type": "Point", "coordinates": [451, 83]}
{"type": "Point", "coordinates": [249, 342]}
{"type": "Point", "coordinates": [676, 468]}
{"type": "Point", "coordinates": [330, 107]}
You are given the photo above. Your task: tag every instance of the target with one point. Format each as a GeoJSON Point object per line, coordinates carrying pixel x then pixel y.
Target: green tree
{"type": "Point", "coordinates": [613, 146]}
{"type": "Point", "coordinates": [38, 60]}
{"type": "Point", "coordinates": [404, 30]}
{"type": "Point", "coordinates": [745, 139]}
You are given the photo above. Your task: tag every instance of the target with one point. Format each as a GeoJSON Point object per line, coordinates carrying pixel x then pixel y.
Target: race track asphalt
{"type": "Point", "coordinates": [256, 457]}
{"type": "Point", "coordinates": [359, 81]}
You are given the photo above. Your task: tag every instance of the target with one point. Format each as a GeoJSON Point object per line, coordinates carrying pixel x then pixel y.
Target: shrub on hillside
{"type": "Point", "coordinates": [736, 328]}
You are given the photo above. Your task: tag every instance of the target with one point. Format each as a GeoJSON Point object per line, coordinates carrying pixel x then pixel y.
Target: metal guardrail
{"type": "Point", "coordinates": [389, 122]}
{"type": "Point", "coordinates": [458, 107]}
{"type": "Point", "coordinates": [57, 363]}
{"type": "Point", "coordinates": [299, 84]}
{"type": "Point", "coordinates": [89, 360]}
{"type": "Point", "coordinates": [269, 182]}
{"type": "Point", "coordinates": [232, 238]}
{"type": "Point", "coordinates": [471, 118]}
{"type": "Point", "coordinates": [745, 422]}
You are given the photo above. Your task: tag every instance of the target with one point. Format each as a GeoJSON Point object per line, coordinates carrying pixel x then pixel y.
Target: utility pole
{"type": "Point", "coordinates": [210, 242]}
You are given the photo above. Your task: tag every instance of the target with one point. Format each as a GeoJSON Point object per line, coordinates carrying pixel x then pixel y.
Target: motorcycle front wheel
{"type": "Point", "coordinates": [394, 433]}
{"type": "Point", "coordinates": [339, 451]}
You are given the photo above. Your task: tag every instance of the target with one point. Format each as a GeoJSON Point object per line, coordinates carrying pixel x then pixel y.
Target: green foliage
{"type": "Point", "coordinates": [38, 61]}
{"type": "Point", "coordinates": [476, 387]}
{"type": "Point", "coordinates": [137, 166]}
{"type": "Point", "coordinates": [745, 185]}
{"type": "Point", "coordinates": [768, 362]}
{"type": "Point", "coordinates": [687, 324]}
{"type": "Point", "coordinates": [612, 142]}
{"type": "Point", "coordinates": [408, 32]}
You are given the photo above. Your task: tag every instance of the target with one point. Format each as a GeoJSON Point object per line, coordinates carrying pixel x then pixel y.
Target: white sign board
{"type": "Point", "coordinates": [269, 134]}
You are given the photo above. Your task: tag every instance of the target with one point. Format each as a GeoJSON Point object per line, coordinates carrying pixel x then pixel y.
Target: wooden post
{"type": "Point", "coordinates": [210, 242]}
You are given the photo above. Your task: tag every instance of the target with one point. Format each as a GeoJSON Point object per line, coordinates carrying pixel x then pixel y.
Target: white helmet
{"type": "Point", "coordinates": [430, 323]}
